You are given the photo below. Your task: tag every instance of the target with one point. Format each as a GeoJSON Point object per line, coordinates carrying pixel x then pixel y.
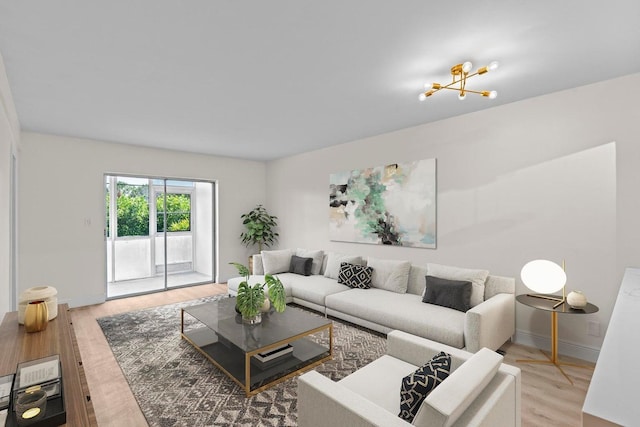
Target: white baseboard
{"type": "Point", "coordinates": [84, 300]}
{"type": "Point", "coordinates": [566, 348]}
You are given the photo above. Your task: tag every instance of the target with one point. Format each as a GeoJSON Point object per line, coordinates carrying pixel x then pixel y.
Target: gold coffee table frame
{"type": "Point", "coordinates": [550, 305]}
{"type": "Point", "coordinates": [276, 379]}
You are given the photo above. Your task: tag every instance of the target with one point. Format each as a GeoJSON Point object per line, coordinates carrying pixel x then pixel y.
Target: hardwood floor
{"type": "Point", "coordinates": [112, 399]}
{"type": "Point", "coordinates": [548, 399]}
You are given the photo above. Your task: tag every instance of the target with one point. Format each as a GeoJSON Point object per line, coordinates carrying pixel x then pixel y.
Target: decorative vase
{"type": "Point", "coordinates": [252, 320]}
{"type": "Point", "coordinates": [36, 316]}
{"type": "Point", "coordinates": [47, 294]}
{"type": "Point", "coordinates": [576, 299]}
{"type": "Point", "coordinates": [266, 306]}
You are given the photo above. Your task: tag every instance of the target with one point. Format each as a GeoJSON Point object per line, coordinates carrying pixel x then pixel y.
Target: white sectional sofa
{"type": "Point", "coordinates": [480, 391]}
{"type": "Point", "coordinates": [383, 308]}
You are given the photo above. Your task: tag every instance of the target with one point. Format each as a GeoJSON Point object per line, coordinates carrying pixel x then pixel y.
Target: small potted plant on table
{"type": "Point", "coordinates": [252, 300]}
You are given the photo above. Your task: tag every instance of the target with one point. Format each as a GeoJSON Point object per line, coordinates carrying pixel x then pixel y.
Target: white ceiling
{"type": "Point", "coordinates": [265, 79]}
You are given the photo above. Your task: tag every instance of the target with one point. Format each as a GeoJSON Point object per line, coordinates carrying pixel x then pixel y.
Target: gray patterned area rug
{"type": "Point", "coordinates": [175, 385]}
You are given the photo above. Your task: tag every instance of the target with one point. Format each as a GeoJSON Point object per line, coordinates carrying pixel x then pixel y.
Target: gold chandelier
{"type": "Point", "coordinates": [460, 74]}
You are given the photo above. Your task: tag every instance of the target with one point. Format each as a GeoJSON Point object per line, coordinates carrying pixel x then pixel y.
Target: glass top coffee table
{"type": "Point", "coordinates": [257, 356]}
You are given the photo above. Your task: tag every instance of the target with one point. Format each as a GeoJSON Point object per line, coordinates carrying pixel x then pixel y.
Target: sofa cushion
{"type": "Point", "coordinates": [476, 277]}
{"type": "Point", "coordinates": [312, 288]}
{"type": "Point", "coordinates": [258, 268]}
{"type": "Point", "coordinates": [447, 402]}
{"type": "Point", "coordinates": [334, 260]}
{"type": "Point", "coordinates": [301, 266]}
{"type": "Point", "coordinates": [391, 275]}
{"type": "Point", "coordinates": [317, 256]}
{"type": "Point", "coordinates": [276, 261]}
{"type": "Point", "coordinates": [355, 276]}
{"type": "Point", "coordinates": [417, 385]}
{"type": "Point", "coordinates": [406, 312]}
{"type": "Point", "coordinates": [379, 381]}
{"type": "Point", "coordinates": [454, 294]}
{"type": "Point", "coordinates": [416, 279]}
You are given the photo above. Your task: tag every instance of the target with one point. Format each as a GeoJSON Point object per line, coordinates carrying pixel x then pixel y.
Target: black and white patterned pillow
{"type": "Point", "coordinates": [355, 276]}
{"type": "Point", "coordinates": [417, 385]}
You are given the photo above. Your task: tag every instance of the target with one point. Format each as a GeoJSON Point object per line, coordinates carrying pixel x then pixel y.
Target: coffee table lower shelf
{"type": "Point", "coordinates": [236, 364]}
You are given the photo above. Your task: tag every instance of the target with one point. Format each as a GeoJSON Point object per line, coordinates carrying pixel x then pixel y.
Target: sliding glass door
{"type": "Point", "coordinates": [159, 233]}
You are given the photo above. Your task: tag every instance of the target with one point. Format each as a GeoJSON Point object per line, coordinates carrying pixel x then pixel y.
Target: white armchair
{"type": "Point", "coordinates": [480, 391]}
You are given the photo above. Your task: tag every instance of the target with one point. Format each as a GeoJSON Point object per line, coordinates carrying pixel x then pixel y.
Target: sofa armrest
{"type": "Point", "coordinates": [417, 350]}
{"type": "Point", "coordinates": [444, 405]}
{"type": "Point", "coordinates": [490, 324]}
{"type": "Point", "coordinates": [322, 402]}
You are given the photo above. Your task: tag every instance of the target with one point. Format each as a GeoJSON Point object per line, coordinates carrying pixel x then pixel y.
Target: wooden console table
{"type": "Point", "coordinates": [59, 338]}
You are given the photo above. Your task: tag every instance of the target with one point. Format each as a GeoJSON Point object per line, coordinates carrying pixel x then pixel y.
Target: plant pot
{"type": "Point", "coordinates": [266, 306]}
{"type": "Point", "coordinates": [250, 264]}
{"type": "Point", "coordinates": [252, 320]}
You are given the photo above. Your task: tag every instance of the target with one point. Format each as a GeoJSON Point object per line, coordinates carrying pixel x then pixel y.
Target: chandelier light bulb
{"type": "Point", "coordinates": [467, 66]}
{"type": "Point", "coordinates": [462, 96]}
{"type": "Point", "coordinates": [493, 65]}
{"type": "Point", "coordinates": [428, 86]}
{"type": "Point", "coordinates": [493, 94]}
{"type": "Point", "coordinates": [422, 97]}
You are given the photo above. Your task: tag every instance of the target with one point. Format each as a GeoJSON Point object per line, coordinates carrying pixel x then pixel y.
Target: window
{"type": "Point", "coordinates": [177, 210]}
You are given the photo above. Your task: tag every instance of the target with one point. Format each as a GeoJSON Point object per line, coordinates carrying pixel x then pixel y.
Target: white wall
{"type": "Point", "coordinates": [9, 145]}
{"type": "Point", "coordinates": [61, 206]}
{"type": "Point", "coordinates": [541, 178]}
{"type": "Point", "coordinates": [204, 223]}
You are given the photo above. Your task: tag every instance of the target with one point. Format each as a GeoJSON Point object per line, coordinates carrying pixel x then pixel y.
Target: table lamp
{"type": "Point", "coordinates": [545, 277]}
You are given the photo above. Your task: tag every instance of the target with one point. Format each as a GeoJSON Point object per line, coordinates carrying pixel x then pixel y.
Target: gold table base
{"type": "Point", "coordinates": [552, 359]}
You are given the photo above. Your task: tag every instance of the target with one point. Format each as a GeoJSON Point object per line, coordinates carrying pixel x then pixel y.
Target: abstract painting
{"type": "Point", "coordinates": [385, 205]}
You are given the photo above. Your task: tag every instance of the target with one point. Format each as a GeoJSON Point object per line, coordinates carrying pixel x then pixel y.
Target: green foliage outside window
{"type": "Point", "coordinates": [178, 212]}
{"type": "Point", "coordinates": [133, 216]}
{"type": "Point", "coordinates": [132, 205]}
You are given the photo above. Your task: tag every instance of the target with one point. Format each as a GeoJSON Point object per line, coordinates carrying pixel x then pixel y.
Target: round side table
{"type": "Point", "coordinates": [553, 307]}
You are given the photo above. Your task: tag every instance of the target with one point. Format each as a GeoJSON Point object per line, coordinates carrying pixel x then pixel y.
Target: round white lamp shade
{"type": "Point", "coordinates": [542, 276]}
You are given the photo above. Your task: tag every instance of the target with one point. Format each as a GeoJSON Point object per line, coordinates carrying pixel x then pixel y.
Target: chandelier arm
{"type": "Point", "coordinates": [458, 90]}
{"type": "Point", "coordinates": [473, 74]}
{"type": "Point", "coordinates": [451, 84]}
{"type": "Point", "coordinates": [473, 91]}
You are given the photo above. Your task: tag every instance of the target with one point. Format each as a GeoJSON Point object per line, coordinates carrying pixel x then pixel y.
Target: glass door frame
{"type": "Point", "coordinates": [153, 231]}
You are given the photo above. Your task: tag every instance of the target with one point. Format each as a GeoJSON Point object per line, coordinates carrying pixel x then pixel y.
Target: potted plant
{"type": "Point", "coordinates": [250, 299]}
{"type": "Point", "coordinates": [260, 228]}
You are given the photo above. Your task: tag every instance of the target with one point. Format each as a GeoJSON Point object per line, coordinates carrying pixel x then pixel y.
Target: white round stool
{"type": "Point", "coordinates": [47, 294]}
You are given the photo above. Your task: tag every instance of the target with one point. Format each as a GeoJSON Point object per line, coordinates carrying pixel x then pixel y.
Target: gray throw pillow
{"type": "Point", "coordinates": [301, 265]}
{"type": "Point", "coordinates": [454, 294]}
